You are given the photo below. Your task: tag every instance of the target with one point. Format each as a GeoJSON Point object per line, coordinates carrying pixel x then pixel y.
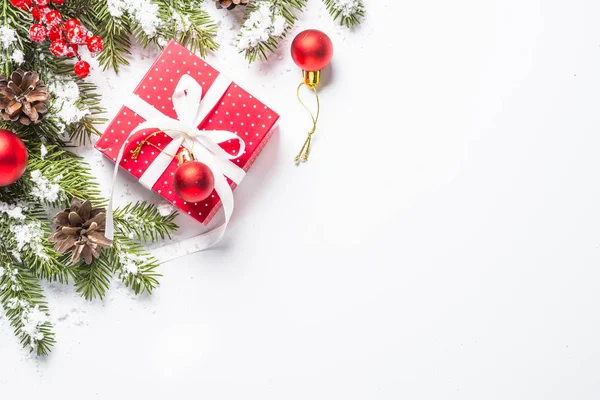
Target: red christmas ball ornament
{"type": "Point", "coordinates": [24, 5]}
{"type": "Point", "coordinates": [193, 181]}
{"type": "Point", "coordinates": [312, 50]}
{"type": "Point", "coordinates": [71, 23]}
{"type": "Point", "coordinates": [52, 18]}
{"type": "Point", "coordinates": [59, 48]}
{"type": "Point", "coordinates": [82, 69]}
{"type": "Point", "coordinates": [54, 33]}
{"type": "Point", "coordinates": [95, 44]}
{"type": "Point", "coordinates": [72, 50]}
{"type": "Point", "coordinates": [13, 157]}
{"type": "Point", "coordinates": [77, 34]}
{"type": "Point", "coordinates": [38, 12]}
{"type": "Point", "coordinates": [37, 32]}
{"type": "Point", "coordinates": [42, 3]}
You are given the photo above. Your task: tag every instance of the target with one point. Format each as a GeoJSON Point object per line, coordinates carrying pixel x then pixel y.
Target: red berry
{"type": "Point", "coordinates": [71, 23]}
{"type": "Point", "coordinates": [59, 2]}
{"type": "Point", "coordinates": [72, 50]}
{"type": "Point", "coordinates": [52, 18]}
{"type": "Point", "coordinates": [95, 44]}
{"type": "Point", "coordinates": [24, 5]}
{"type": "Point", "coordinates": [42, 2]}
{"type": "Point", "coordinates": [38, 12]}
{"type": "Point", "coordinates": [37, 32]}
{"type": "Point", "coordinates": [77, 35]}
{"type": "Point", "coordinates": [82, 69]}
{"type": "Point", "coordinates": [54, 33]}
{"type": "Point", "coordinates": [58, 48]}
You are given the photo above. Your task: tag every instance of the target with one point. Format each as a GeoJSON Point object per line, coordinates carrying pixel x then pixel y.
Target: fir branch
{"type": "Point", "coordinates": [92, 280]}
{"type": "Point", "coordinates": [277, 8]}
{"type": "Point", "coordinates": [24, 304]}
{"type": "Point", "coordinates": [115, 33]}
{"type": "Point", "coordinates": [135, 267]}
{"type": "Point", "coordinates": [349, 12]}
{"type": "Point", "coordinates": [190, 25]}
{"type": "Point", "coordinates": [143, 220]}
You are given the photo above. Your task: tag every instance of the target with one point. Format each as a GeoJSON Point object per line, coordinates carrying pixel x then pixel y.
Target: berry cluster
{"type": "Point", "coordinates": [65, 36]}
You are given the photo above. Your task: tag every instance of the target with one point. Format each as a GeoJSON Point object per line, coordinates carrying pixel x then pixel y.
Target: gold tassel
{"type": "Point", "coordinates": [305, 151]}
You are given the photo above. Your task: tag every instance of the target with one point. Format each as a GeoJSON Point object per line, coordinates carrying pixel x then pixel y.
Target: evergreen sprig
{"type": "Point", "coordinates": [20, 295]}
{"type": "Point", "coordinates": [287, 9]}
{"type": "Point", "coordinates": [346, 19]}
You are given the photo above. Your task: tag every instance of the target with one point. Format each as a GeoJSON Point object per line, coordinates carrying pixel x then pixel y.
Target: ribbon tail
{"type": "Point", "coordinates": [204, 240]}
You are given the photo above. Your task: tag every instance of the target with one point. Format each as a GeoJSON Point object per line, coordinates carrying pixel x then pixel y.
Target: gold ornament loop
{"type": "Point", "coordinates": [305, 150]}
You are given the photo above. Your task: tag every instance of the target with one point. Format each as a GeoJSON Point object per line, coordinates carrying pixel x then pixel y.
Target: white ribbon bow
{"type": "Point", "coordinates": [191, 110]}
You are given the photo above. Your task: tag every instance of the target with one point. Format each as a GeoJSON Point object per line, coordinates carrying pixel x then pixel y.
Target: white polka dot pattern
{"type": "Point", "coordinates": [254, 127]}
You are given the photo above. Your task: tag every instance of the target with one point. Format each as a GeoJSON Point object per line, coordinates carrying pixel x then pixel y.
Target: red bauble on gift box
{"type": "Point", "coordinates": [234, 110]}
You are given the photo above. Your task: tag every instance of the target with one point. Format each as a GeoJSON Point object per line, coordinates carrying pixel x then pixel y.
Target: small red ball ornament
{"type": "Point", "coordinates": [77, 34]}
{"type": "Point", "coordinates": [82, 69]}
{"type": "Point", "coordinates": [37, 32]}
{"type": "Point", "coordinates": [13, 157]}
{"type": "Point", "coordinates": [38, 12]}
{"type": "Point", "coordinates": [54, 33]}
{"type": "Point", "coordinates": [52, 18]}
{"type": "Point", "coordinates": [312, 50]}
{"type": "Point", "coordinates": [24, 5]}
{"type": "Point", "coordinates": [72, 50]}
{"type": "Point", "coordinates": [95, 44]}
{"type": "Point", "coordinates": [193, 181]}
{"type": "Point", "coordinates": [71, 23]}
{"type": "Point", "coordinates": [59, 48]}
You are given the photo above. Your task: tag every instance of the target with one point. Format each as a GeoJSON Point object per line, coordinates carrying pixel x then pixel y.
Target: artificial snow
{"type": "Point", "coordinates": [12, 211]}
{"type": "Point", "coordinates": [165, 209]}
{"type": "Point", "coordinates": [30, 236]}
{"type": "Point", "coordinates": [43, 152]}
{"type": "Point", "coordinates": [347, 7]}
{"type": "Point", "coordinates": [17, 56]}
{"type": "Point", "coordinates": [7, 36]}
{"type": "Point", "coordinates": [66, 94]}
{"type": "Point", "coordinates": [261, 25]}
{"type": "Point", "coordinates": [32, 319]}
{"type": "Point", "coordinates": [144, 12]}
{"type": "Point", "coordinates": [43, 189]}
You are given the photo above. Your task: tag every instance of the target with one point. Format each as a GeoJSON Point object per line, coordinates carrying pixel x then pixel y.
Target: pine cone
{"type": "Point", "coordinates": [230, 4]}
{"type": "Point", "coordinates": [23, 98]}
{"type": "Point", "coordinates": [80, 228]}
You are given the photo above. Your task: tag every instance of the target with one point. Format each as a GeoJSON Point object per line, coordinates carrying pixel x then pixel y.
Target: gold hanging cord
{"type": "Point", "coordinates": [305, 151]}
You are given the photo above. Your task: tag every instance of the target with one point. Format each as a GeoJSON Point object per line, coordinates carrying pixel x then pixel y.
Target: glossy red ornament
{"type": "Point", "coordinates": [37, 32]}
{"type": "Point", "coordinates": [95, 44]}
{"type": "Point", "coordinates": [312, 50]}
{"type": "Point", "coordinates": [193, 181]}
{"type": "Point", "coordinates": [82, 69]}
{"type": "Point", "coordinates": [24, 5]}
{"type": "Point", "coordinates": [13, 157]}
{"type": "Point", "coordinates": [58, 48]}
{"type": "Point", "coordinates": [52, 18]}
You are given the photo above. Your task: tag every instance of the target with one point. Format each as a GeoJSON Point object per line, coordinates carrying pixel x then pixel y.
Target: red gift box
{"type": "Point", "coordinates": [236, 111]}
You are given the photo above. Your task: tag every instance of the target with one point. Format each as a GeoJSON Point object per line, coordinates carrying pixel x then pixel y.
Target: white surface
{"type": "Point", "coordinates": [441, 243]}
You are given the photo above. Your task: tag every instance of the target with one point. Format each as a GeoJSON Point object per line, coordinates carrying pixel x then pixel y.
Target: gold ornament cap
{"type": "Point", "coordinates": [312, 78]}
{"type": "Point", "coordinates": [184, 156]}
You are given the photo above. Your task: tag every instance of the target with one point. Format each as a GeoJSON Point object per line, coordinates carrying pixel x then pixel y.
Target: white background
{"type": "Point", "coordinates": [441, 243]}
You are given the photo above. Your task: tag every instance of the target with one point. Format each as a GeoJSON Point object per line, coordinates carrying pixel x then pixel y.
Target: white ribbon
{"type": "Point", "coordinates": [191, 110]}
